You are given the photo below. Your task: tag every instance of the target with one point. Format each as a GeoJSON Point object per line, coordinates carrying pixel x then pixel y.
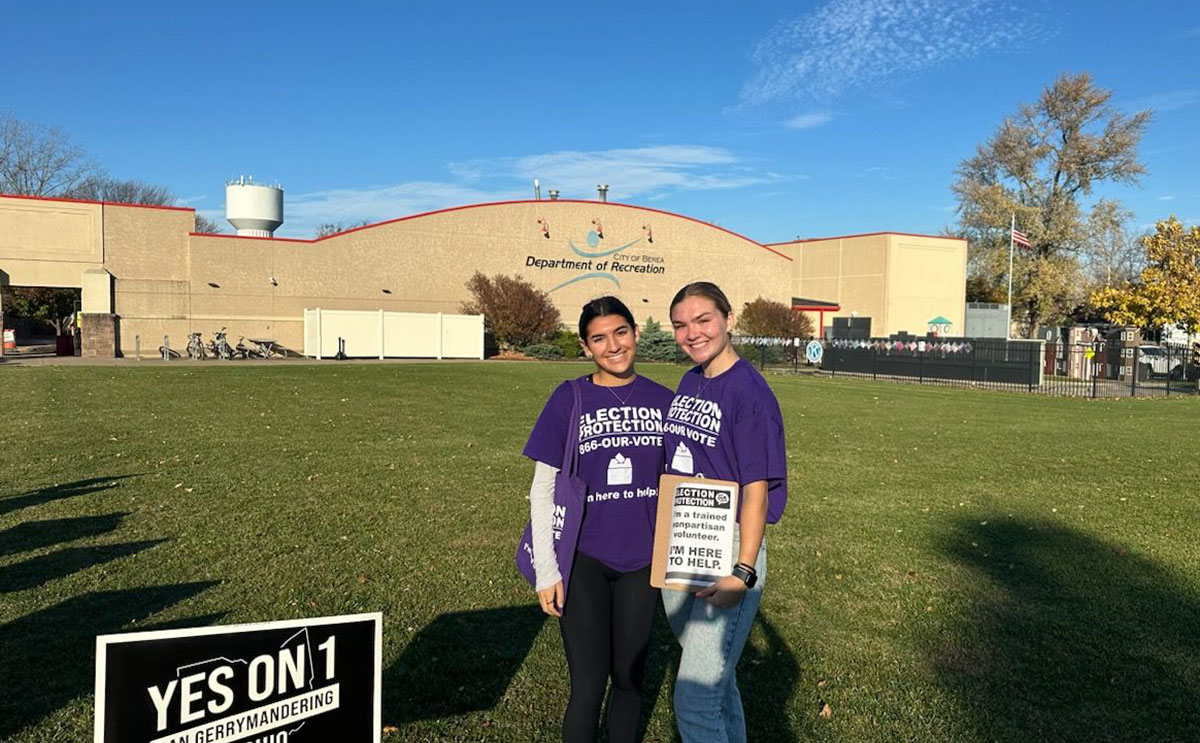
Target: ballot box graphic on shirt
{"type": "Point", "coordinates": [693, 544]}
{"type": "Point", "coordinates": [682, 460]}
{"type": "Point", "coordinates": [620, 470]}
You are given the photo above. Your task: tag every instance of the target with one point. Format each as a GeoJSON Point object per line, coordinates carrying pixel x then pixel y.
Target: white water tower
{"type": "Point", "coordinates": [254, 209]}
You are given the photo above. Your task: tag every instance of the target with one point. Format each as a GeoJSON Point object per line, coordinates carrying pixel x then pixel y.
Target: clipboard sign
{"type": "Point", "coordinates": [693, 537]}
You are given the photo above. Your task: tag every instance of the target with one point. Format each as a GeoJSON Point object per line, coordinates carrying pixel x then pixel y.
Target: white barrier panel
{"type": "Point", "coordinates": [379, 334]}
{"type": "Point", "coordinates": [462, 336]}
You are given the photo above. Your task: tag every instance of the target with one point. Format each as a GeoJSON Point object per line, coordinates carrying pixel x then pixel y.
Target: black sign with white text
{"type": "Point", "coordinates": [297, 681]}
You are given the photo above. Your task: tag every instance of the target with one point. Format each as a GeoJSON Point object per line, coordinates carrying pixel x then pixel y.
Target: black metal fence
{"type": "Point", "coordinates": [1104, 368]}
{"type": "Point", "coordinates": [1115, 369]}
{"type": "Point", "coordinates": [986, 363]}
{"type": "Point", "coordinates": [783, 354]}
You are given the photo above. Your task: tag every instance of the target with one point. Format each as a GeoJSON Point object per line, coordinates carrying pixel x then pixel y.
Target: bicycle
{"type": "Point", "coordinates": [195, 347]}
{"type": "Point", "coordinates": [219, 347]}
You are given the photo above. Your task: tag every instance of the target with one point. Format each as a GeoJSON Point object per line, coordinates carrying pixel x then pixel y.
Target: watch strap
{"type": "Point", "coordinates": [746, 574]}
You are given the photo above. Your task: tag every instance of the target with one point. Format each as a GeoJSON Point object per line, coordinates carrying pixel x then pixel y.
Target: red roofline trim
{"type": "Point", "coordinates": [505, 203]}
{"type": "Point", "coordinates": [863, 234]}
{"type": "Point", "coordinates": [101, 203]}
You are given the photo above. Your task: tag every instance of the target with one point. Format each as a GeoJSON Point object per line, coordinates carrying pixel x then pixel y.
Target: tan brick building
{"type": "Point", "coordinates": [901, 281]}
{"type": "Point", "coordinates": [143, 272]}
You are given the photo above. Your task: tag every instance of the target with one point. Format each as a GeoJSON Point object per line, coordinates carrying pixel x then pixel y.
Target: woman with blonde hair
{"type": "Point", "coordinates": [739, 438]}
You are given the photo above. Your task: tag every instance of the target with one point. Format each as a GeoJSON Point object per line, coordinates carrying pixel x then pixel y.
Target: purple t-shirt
{"type": "Point", "coordinates": [620, 459]}
{"type": "Point", "coordinates": [728, 428]}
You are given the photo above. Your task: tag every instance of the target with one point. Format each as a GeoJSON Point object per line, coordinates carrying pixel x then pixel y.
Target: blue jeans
{"type": "Point", "coordinates": [708, 707]}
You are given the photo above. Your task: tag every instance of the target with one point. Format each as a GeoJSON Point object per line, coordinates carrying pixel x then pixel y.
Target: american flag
{"type": "Point", "coordinates": [1019, 238]}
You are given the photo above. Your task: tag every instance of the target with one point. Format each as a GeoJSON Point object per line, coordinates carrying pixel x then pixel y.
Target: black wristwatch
{"type": "Point", "coordinates": [746, 573]}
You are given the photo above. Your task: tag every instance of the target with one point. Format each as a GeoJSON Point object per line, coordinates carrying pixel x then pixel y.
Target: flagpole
{"type": "Point", "coordinates": [1012, 226]}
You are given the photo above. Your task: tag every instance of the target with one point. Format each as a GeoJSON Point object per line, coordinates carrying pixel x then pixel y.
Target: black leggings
{"type": "Point", "coordinates": [606, 628]}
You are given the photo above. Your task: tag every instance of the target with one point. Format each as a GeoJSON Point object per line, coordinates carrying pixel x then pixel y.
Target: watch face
{"type": "Point", "coordinates": [745, 575]}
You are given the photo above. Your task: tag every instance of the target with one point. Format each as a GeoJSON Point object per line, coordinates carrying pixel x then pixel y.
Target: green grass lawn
{"type": "Point", "coordinates": [953, 565]}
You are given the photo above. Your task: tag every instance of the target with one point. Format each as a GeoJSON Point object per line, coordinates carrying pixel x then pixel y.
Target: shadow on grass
{"type": "Point", "coordinates": [460, 662]}
{"type": "Point", "coordinates": [767, 678]}
{"type": "Point", "coordinates": [33, 535]}
{"type": "Point", "coordinates": [1077, 640]}
{"type": "Point", "coordinates": [58, 492]}
{"type": "Point", "coordinates": [42, 569]}
{"type": "Point", "coordinates": [46, 658]}
{"type": "Point", "coordinates": [465, 661]}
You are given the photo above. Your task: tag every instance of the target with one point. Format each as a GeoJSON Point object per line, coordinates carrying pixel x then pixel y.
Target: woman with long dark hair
{"type": "Point", "coordinates": [606, 615]}
{"type": "Point", "coordinates": [740, 439]}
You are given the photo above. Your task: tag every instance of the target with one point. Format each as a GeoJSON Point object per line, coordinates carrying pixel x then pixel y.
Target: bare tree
{"type": "Point", "coordinates": [332, 228]}
{"type": "Point", "coordinates": [208, 226]}
{"type": "Point", "coordinates": [1040, 165]}
{"type": "Point", "coordinates": [1113, 253]}
{"type": "Point", "coordinates": [105, 188]}
{"type": "Point", "coordinates": [39, 160]}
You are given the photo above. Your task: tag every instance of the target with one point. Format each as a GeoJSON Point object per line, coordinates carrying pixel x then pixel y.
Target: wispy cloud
{"type": "Point", "coordinates": [1164, 102]}
{"type": "Point", "coordinates": [632, 172]}
{"type": "Point", "coordinates": [846, 44]}
{"type": "Point", "coordinates": [880, 173]}
{"type": "Point", "coordinates": [1166, 198]}
{"type": "Point", "coordinates": [1191, 33]}
{"type": "Point", "coordinates": [809, 120]}
{"type": "Point", "coordinates": [639, 173]}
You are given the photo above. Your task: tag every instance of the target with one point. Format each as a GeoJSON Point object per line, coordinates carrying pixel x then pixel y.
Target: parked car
{"type": "Point", "coordinates": [1156, 361]}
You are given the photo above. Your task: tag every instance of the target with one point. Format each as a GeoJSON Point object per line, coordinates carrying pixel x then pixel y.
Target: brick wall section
{"type": "Point", "coordinates": [99, 333]}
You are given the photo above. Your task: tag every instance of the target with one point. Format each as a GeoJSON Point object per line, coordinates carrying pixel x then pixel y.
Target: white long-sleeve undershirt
{"type": "Point", "coordinates": [541, 518]}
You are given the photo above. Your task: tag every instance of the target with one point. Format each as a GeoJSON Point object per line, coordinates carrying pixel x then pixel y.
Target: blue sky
{"type": "Point", "coordinates": [775, 120]}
